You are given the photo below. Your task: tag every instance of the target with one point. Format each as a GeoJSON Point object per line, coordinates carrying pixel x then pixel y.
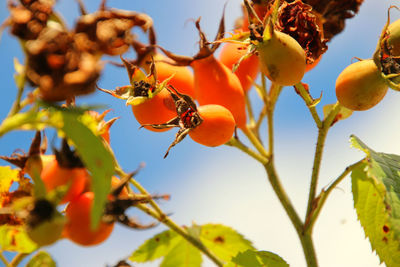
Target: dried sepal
{"type": "Point", "coordinates": [143, 87]}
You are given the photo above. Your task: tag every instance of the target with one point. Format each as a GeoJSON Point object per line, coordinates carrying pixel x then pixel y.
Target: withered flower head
{"type": "Point", "coordinates": [58, 68]}
{"type": "Point", "coordinates": [29, 18]}
{"type": "Point", "coordinates": [299, 21]}
{"type": "Point", "coordinates": [108, 31]}
{"type": "Point", "coordinates": [334, 13]}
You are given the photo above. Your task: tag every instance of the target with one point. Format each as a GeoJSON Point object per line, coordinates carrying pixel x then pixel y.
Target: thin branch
{"type": "Point", "coordinates": [322, 133]}
{"type": "Point", "coordinates": [3, 259]}
{"type": "Point", "coordinates": [310, 102]}
{"type": "Point", "coordinates": [323, 196]}
{"type": "Point", "coordinates": [17, 259]}
{"type": "Point", "coordinates": [238, 144]}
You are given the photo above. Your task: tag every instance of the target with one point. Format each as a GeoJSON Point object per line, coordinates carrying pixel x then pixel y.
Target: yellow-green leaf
{"type": "Point", "coordinates": [41, 259]}
{"type": "Point", "coordinates": [156, 247]}
{"type": "Point", "coordinates": [7, 177]}
{"type": "Point", "coordinates": [251, 258]}
{"type": "Point", "coordinates": [14, 238]}
{"type": "Point", "coordinates": [376, 193]}
{"type": "Point", "coordinates": [223, 241]}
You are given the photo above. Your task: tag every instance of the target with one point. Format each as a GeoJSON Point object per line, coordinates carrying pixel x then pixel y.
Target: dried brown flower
{"type": "Point", "coordinates": [299, 21]}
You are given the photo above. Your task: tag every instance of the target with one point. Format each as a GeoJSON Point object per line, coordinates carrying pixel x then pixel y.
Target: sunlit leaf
{"type": "Point", "coordinates": [376, 193]}
{"type": "Point", "coordinates": [41, 259]}
{"type": "Point", "coordinates": [14, 238]}
{"type": "Point", "coordinates": [156, 247]}
{"type": "Point", "coordinates": [96, 157]}
{"type": "Point", "coordinates": [223, 241]}
{"type": "Point", "coordinates": [7, 177]}
{"type": "Point", "coordinates": [183, 254]}
{"type": "Point", "coordinates": [31, 120]}
{"type": "Point", "coordinates": [251, 258]}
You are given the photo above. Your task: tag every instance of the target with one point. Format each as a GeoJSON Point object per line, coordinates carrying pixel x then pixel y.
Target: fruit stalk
{"type": "Point", "coordinates": [322, 133]}
{"type": "Point", "coordinates": [305, 237]}
{"type": "Point", "coordinates": [309, 102]}
{"type": "Point", "coordinates": [17, 259]}
{"type": "Point", "coordinates": [3, 259]}
{"type": "Point", "coordinates": [323, 196]}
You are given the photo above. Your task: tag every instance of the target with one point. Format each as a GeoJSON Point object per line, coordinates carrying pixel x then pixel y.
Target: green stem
{"type": "Point", "coordinates": [252, 121]}
{"type": "Point", "coordinates": [322, 133]}
{"type": "Point", "coordinates": [255, 141]}
{"type": "Point", "coordinates": [236, 143]}
{"type": "Point", "coordinates": [323, 196]}
{"type": "Point", "coordinates": [17, 259]}
{"type": "Point", "coordinates": [3, 259]}
{"type": "Point", "coordinates": [181, 231]}
{"type": "Point", "coordinates": [141, 190]}
{"type": "Point", "coordinates": [310, 102]}
{"type": "Point", "coordinates": [16, 107]}
{"type": "Point", "coordinates": [305, 238]}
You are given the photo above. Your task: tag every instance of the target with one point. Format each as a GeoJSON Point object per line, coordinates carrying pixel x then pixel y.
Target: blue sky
{"type": "Point", "coordinates": [222, 185]}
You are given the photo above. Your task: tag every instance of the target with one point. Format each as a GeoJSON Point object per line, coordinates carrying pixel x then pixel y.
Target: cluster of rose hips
{"type": "Point", "coordinates": [281, 39]}
{"type": "Point", "coordinates": [363, 84]}
{"type": "Point", "coordinates": [66, 181]}
{"type": "Point", "coordinates": [282, 46]}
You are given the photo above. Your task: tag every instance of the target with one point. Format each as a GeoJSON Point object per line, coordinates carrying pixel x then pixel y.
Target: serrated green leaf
{"type": "Point", "coordinates": [156, 247]}
{"type": "Point", "coordinates": [14, 238]}
{"type": "Point", "coordinates": [251, 258]}
{"type": "Point", "coordinates": [344, 113]}
{"type": "Point", "coordinates": [7, 177]}
{"type": "Point", "coordinates": [183, 254]}
{"type": "Point", "coordinates": [41, 259]}
{"type": "Point", "coordinates": [223, 241]}
{"type": "Point", "coordinates": [376, 193]}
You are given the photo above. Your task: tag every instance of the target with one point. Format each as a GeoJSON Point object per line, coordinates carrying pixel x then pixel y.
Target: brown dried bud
{"type": "Point", "coordinates": [108, 31]}
{"type": "Point", "coordinates": [299, 21]}
{"type": "Point", "coordinates": [30, 18]}
{"type": "Point", "coordinates": [58, 67]}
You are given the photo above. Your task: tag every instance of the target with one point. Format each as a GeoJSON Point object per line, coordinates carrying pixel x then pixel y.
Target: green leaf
{"type": "Point", "coordinates": [174, 248]}
{"type": "Point", "coordinates": [183, 254]}
{"type": "Point", "coordinates": [31, 120]}
{"type": "Point", "coordinates": [41, 259]}
{"type": "Point", "coordinates": [7, 177]}
{"type": "Point", "coordinates": [376, 193]}
{"type": "Point", "coordinates": [251, 258]}
{"type": "Point", "coordinates": [219, 239]}
{"type": "Point", "coordinates": [223, 241]}
{"type": "Point", "coordinates": [156, 247]}
{"type": "Point", "coordinates": [14, 238]}
{"type": "Point", "coordinates": [96, 157]}
{"type": "Point", "coordinates": [77, 126]}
